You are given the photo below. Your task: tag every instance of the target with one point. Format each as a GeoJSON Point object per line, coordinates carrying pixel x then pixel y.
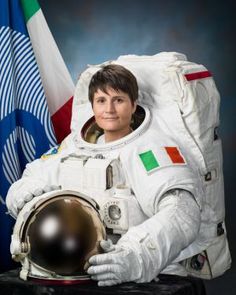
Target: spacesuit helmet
{"type": "Point", "coordinates": [57, 234]}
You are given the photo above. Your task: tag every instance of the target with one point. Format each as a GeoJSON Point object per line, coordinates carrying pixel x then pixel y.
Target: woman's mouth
{"type": "Point", "coordinates": [110, 118]}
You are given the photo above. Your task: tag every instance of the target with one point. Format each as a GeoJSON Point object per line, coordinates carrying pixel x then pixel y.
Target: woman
{"type": "Point", "coordinates": [113, 101]}
{"type": "Point", "coordinates": [168, 194]}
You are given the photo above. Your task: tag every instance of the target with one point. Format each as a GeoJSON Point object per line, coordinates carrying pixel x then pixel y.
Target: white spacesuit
{"type": "Point", "coordinates": [157, 173]}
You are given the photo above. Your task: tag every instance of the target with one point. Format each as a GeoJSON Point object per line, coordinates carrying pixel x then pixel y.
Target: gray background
{"type": "Point", "coordinates": [93, 31]}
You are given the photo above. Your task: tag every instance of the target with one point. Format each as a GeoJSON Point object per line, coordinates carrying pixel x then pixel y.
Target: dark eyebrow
{"type": "Point", "coordinates": [100, 97]}
{"type": "Point", "coordinates": [118, 96]}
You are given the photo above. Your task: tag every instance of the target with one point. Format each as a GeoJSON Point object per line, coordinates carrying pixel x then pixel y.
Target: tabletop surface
{"type": "Point", "coordinates": [11, 284]}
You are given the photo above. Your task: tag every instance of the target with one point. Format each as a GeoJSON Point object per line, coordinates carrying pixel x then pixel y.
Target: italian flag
{"type": "Point", "coordinates": [56, 80]}
{"type": "Point", "coordinates": [162, 157]}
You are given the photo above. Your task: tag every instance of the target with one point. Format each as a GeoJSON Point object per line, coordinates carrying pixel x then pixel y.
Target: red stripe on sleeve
{"type": "Point", "coordinates": [198, 75]}
{"type": "Point", "coordinates": [174, 155]}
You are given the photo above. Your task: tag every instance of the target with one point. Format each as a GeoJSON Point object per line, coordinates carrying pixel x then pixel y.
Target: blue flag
{"type": "Point", "coordinates": [25, 126]}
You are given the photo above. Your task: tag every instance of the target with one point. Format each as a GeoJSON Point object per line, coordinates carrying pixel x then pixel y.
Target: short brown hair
{"type": "Point", "coordinates": [116, 77]}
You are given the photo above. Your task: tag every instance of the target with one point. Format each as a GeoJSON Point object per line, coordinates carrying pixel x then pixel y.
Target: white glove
{"type": "Point", "coordinates": [23, 191]}
{"type": "Point", "coordinates": [120, 263]}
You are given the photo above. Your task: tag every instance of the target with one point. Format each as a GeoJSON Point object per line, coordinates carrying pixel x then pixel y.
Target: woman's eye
{"type": "Point", "coordinates": [119, 100]}
{"type": "Point", "coordinates": [101, 100]}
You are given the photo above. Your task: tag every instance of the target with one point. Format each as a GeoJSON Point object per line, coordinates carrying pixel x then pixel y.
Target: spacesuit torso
{"type": "Point", "coordinates": [133, 173]}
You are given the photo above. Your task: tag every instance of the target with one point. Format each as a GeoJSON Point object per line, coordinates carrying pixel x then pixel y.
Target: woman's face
{"type": "Point", "coordinates": [113, 112]}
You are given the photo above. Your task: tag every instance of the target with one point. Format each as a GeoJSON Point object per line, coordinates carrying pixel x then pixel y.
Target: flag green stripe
{"type": "Point", "coordinates": [149, 160]}
{"type": "Point", "coordinates": [30, 7]}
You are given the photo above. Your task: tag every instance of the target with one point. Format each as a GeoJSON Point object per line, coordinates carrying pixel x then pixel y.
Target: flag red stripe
{"type": "Point", "coordinates": [174, 155]}
{"type": "Point", "coordinates": [61, 120]}
{"type": "Point", "coordinates": [198, 75]}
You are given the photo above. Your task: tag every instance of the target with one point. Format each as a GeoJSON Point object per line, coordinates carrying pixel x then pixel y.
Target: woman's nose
{"type": "Point", "coordinates": [110, 107]}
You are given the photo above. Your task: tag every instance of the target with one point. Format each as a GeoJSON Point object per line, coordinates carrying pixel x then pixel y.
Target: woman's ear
{"type": "Point", "coordinates": [134, 107]}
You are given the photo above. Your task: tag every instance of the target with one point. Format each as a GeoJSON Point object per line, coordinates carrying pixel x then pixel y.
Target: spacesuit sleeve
{"type": "Point", "coordinates": [39, 176]}
{"type": "Point", "coordinates": [42, 169]}
{"type": "Point", "coordinates": [171, 196]}
{"type": "Point", "coordinates": [150, 189]}
{"type": "Point", "coordinates": [162, 237]}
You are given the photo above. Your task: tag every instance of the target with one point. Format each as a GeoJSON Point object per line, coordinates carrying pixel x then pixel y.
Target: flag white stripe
{"type": "Point", "coordinates": [56, 79]}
